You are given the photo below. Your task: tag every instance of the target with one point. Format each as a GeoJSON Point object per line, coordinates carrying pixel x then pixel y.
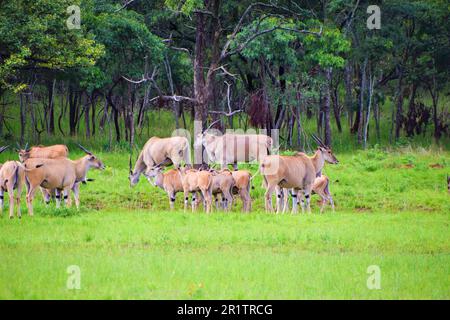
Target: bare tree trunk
{"type": "Point", "coordinates": [23, 119]}
{"type": "Point", "coordinates": [348, 92]}
{"type": "Point", "coordinates": [361, 101]}
{"type": "Point", "coordinates": [87, 126]}
{"type": "Point", "coordinates": [200, 107]}
{"type": "Point", "coordinates": [299, 124]}
{"type": "Point", "coordinates": [369, 105]}
{"type": "Point", "coordinates": [435, 98]}
{"type": "Point", "coordinates": [51, 107]}
{"type": "Point", "coordinates": [336, 110]}
{"type": "Point", "coordinates": [377, 113]}
{"type": "Point", "coordinates": [73, 117]}
{"type": "Point", "coordinates": [399, 105]}
{"type": "Point", "coordinates": [326, 108]}
{"type": "Point", "coordinates": [175, 104]}
{"type": "Point", "coordinates": [93, 107]}
{"type": "Point", "coordinates": [115, 113]}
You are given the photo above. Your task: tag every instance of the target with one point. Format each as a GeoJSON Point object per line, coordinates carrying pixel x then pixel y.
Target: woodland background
{"type": "Point", "coordinates": [137, 66]}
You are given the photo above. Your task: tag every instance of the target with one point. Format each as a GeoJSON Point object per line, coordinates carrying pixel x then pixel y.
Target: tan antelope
{"type": "Point", "coordinates": [160, 151]}
{"type": "Point", "coordinates": [296, 172]}
{"type": "Point", "coordinates": [49, 152]}
{"type": "Point", "coordinates": [242, 184]}
{"type": "Point", "coordinates": [233, 148]}
{"type": "Point", "coordinates": [222, 184]}
{"type": "Point", "coordinates": [61, 174]}
{"type": "Point", "coordinates": [169, 181]}
{"type": "Point", "coordinates": [195, 181]}
{"type": "Point", "coordinates": [11, 178]}
{"type": "Point", "coordinates": [321, 187]}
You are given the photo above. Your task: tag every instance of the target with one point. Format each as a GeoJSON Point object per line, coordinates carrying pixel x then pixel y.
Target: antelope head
{"type": "Point", "coordinates": [92, 160]}
{"type": "Point", "coordinates": [205, 137]}
{"type": "Point", "coordinates": [24, 154]}
{"type": "Point", "coordinates": [133, 177]}
{"type": "Point", "coordinates": [152, 173]}
{"type": "Point", "coordinates": [326, 151]}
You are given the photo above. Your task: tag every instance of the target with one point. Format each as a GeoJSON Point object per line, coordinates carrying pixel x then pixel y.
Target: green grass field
{"type": "Point", "coordinates": [392, 212]}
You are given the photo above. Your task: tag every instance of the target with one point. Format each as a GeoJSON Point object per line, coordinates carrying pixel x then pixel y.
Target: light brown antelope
{"type": "Point", "coordinates": [195, 181]}
{"type": "Point", "coordinates": [242, 184]}
{"type": "Point", "coordinates": [50, 152]}
{"type": "Point", "coordinates": [296, 172]}
{"type": "Point", "coordinates": [11, 178]}
{"type": "Point", "coordinates": [161, 151]}
{"type": "Point", "coordinates": [222, 184]}
{"type": "Point", "coordinates": [321, 187]}
{"type": "Point", "coordinates": [233, 148]}
{"type": "Point", "coordinates": [169, 181]}
{"type": "Point", "coordinates": [61, 174]}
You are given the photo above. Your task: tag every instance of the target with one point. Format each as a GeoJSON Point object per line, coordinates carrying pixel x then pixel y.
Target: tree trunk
{"type": "Point", "coordinates": [435, 98]}
{"type": "Point", "coordinates": [199, 78]}
{"type": "Point", "coordinates": [115, 113]}
{"type": "Point", "coordinates": [73, 117]}
{"type": "Point", "coordinates": [362, 101]}
{"type": "Point", "coordinates": [369, 105]}
{"type": "Point", "coordinates": [348, 92]}
{"type": "Point", "coordinates": [326, 108]}
{"type": "Point", "coordinates": [376, 115]}
{"type": "Point", "coordinates": [399, 106]}
{"type": "Point", "coordinates": [51, 107]}
{"type": "Point", "coordinates": [336, 110]}
{"type": "Point", "coordinates": [93, 103]}
{"type": "Point", "coordinates": [87, 126]}
{"type": "Point", "coordinates": [23, 119]}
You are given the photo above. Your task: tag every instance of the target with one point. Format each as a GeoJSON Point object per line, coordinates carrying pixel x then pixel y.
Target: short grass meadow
{"type": "Point", "coordinates": [392, 211]}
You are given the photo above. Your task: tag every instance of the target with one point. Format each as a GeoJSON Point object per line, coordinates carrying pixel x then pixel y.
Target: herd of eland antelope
{"type": "Point", "coordinates": [50, 169]}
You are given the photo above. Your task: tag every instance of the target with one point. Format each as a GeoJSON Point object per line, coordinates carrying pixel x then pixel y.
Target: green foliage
{"type": "Point", "coordinates": [326, 50]}
{"type": "Point", "coordinates": [34, 34]}
{"type": "Point", "coordinates": [186, 6]}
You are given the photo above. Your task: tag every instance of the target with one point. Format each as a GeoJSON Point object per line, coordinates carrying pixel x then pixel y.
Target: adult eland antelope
{"type": "Point", "coordinates": [61, 174]}
{"type": "Point", "coordinates": [160, 151]}
{"type": "Point", "coordinates": [233, 148]}
{"type": "Point", "coordinates": [296, 172]}
{"type": "Point", "coordinates": [11, 178]}
{"type": "Point", "coordinates": [49, 152]}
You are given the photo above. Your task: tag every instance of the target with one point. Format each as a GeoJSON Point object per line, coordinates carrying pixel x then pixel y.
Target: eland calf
{"type": "Point", "coordinates": [169, 181]}
{"type": "Point", "coordinates": [222, 184]}
{"type": "Point", "coordinates": [195, 181]}
{"type": "Point", "coordinates": [242, 184]}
